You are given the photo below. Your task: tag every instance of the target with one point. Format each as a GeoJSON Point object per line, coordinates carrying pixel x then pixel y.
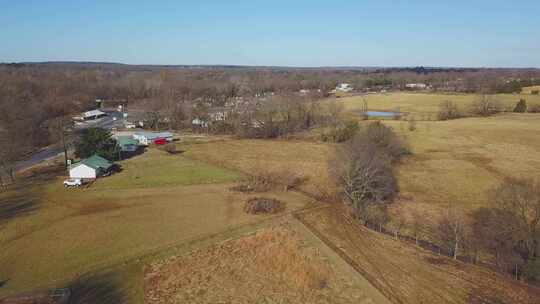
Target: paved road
{"type": "Point", "coordinates": [38, 157]}
{"type": "Point", "coordinates": [107, 122]}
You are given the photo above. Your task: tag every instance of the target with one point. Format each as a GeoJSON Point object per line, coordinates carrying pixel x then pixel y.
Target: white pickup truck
{"type": "Point", "coordinates": [73, 182]}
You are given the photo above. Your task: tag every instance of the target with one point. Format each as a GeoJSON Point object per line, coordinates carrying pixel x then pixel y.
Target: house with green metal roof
{"type": "Point", "coordinates": [90, 168]}
{"type": "Point", "coordinates": [127, 143]}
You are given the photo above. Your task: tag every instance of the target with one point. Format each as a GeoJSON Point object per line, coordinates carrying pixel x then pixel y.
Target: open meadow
{"type": "Point", "coordinates": [454, 164]}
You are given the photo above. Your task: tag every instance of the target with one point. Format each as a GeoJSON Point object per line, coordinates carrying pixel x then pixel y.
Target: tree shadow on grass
{"type": "Point", "coordinates": [17, 205]}
{"type": "Point", "coordinates": [92, 289]}
{"type": "Point", "coordinates": [25, 197]}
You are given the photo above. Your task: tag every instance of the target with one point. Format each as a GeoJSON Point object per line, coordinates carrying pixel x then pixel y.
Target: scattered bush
{"type": "Point", "coordinates": [384, 140]}
{"type": "Point", "coordinates": [258, 205]}
{"type": "Point", "coordinates": [448, 110]}
{"type": "Point", "coordinates": [535, 92]}
{"type": "Point", "coordinates": [486, 107]}
{"type": "Point", "coordinates": [521, 106]}
{"type": "Point", "coordinates": [170, 148]}
{"type": "Point", "coordinates": [341, 133]}
{"type": "Point", "coordinates": [264, 181]}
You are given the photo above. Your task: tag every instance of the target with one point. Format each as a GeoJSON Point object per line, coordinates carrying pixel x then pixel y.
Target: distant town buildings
{"type": "Point", "coordinates": [416, 86]}
{"type": "Point", "coordinates": [344, 87]}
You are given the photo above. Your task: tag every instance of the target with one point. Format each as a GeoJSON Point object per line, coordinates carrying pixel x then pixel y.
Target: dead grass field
{"type": "Point", "coordinates": [425, 106]}
{"type": "Point", "coordinates": [57, 234]}
{"type": "Point", "coordinates": [528, 90]}
{"type": "Point", "coordinates": [407, 274]}
{"type": "Point", "coordinates": [304, 158]}
{"type": "Point", "coordinates": [454, 163]}
{"type": "Point", "coordinates": [274, 265]}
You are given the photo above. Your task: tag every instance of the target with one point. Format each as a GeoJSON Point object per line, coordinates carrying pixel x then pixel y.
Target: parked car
{"type": "Point", "coordinates": [160, 141]}
{"type": "Point", "coordinates": [73, 182]}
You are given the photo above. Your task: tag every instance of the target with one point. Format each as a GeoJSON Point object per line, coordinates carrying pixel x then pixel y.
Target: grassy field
{"type": "Point", "coordinates": [308, 159]}
{"type": "Point", "coordinates": [159, 169]}
{"type": "Point", "coordinates": [51, 235]}
{"type": "Point", "coordinates": [454, 163]}
{"type": "Point", "coordinates": [528, 90]}
{"type": "Point", "coordinates": [425, 106]}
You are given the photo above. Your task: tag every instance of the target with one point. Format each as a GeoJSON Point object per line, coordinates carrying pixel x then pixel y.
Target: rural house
{"type": "Point", "coordinates": [344, 87]}
{"type": "Point", "coordinates": [94, 114]}
{"type": "Point", "coordinates": [90, 168]}
{"type": "Point", "coordinates": [146, 138]}
{"type": "Point", "coordinates": [127, 144]}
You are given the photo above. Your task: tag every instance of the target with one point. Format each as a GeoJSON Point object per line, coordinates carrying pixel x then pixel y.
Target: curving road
{"type": "Point", "coordinates": [107, 122]}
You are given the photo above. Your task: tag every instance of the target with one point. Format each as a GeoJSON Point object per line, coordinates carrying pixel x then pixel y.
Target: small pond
{"type": "Point", "coordinates": [382, 114]}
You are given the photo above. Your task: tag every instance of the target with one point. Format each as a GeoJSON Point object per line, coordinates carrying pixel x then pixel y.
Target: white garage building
{"type": "Point", "coordinates": [146, 138]}
{"type": "Point", "coordinates": [90, 168]}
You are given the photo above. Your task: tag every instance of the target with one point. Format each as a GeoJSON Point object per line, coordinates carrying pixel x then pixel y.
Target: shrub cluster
{"type": "Point", "coordinates": [259, 205]}
{"type": "Point", "coordinates": [362, 168]}
{"type": "Point", "coordinates": [449, 110]}
{"type": "Point", "coordinates": [341, 133]}
{"type": "Point", "coordinates": [521, 106]}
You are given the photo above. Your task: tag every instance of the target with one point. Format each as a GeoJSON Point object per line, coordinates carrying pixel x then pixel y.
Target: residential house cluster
{"type": "Point", "coordinates": [96, 166]}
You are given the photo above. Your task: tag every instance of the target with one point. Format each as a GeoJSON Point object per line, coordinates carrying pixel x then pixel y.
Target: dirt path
{"type": "Point", "coordinates": [372, 294]}
{"type": "Point", "coordinates": [408, 274]}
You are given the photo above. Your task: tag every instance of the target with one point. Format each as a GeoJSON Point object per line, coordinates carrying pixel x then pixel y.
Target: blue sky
{"type": "Point", "coordinates": [477, 33]}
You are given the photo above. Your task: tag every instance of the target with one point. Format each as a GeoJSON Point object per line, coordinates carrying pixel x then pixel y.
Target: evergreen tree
{"type": "Point", "coordinates": [97, 141]}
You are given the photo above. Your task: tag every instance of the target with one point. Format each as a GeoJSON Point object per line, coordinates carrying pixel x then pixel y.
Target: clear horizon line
{"type": "Point", "coordinates": [266, 66]}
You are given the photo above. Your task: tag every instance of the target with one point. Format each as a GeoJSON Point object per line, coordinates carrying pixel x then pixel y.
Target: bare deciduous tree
{"type": "Point", "coordinates": [448, 110]}
{"type": "Point", "coordinates": [486, 106]}
{"type": "Point", "coordinates": [362, 168]}
{"type": "Point", "coordinates": [58, 132]}
{"type": "Point", "coordinates": [451, 231]}
{"type": "Point", "coordinates": [521, 199]}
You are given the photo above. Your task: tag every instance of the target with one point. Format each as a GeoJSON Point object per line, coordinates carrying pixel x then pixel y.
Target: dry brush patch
{"type": "Point", "coordinates": [262, 205]}
{"type": "Point", "coordinates": [263, 180]}
{"type": "Point", "coordinates": [273, 265]}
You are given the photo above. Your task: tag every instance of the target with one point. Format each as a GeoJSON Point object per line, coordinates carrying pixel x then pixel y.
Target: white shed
{"type": "Point", "coordinates": [82, 171]}
{"type": "Point", "coordinates": [90, 168]}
